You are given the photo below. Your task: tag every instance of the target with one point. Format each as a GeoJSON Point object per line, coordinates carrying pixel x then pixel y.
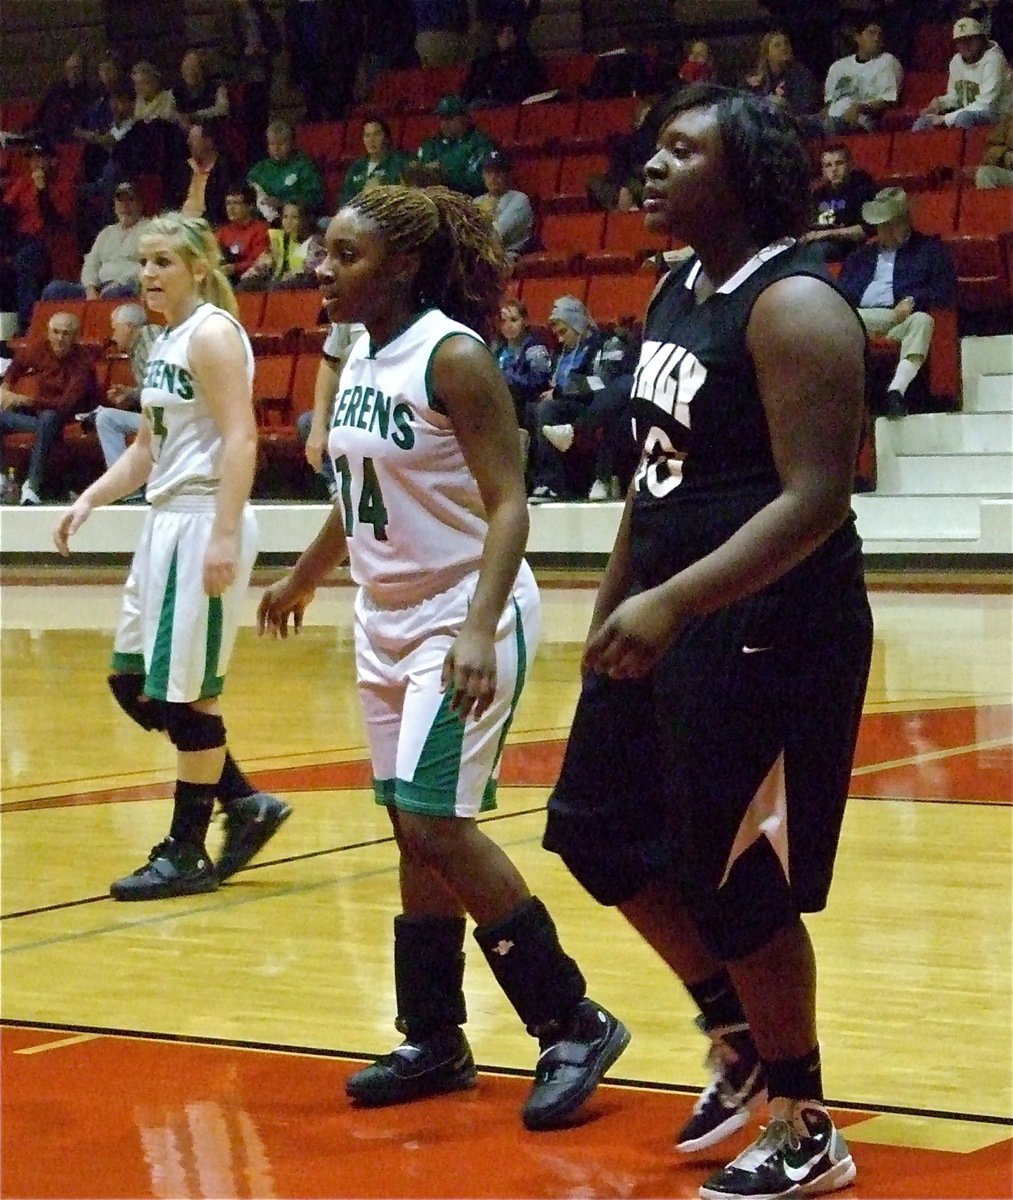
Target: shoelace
{"type": "Point", "coordinates": [773, 1137]}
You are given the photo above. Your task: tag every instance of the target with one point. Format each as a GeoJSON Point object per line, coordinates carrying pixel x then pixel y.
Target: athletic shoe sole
{"type": "Point", "coordinates": [732, 1124]}
{"type": "Point", "coordinates": [256, 835]}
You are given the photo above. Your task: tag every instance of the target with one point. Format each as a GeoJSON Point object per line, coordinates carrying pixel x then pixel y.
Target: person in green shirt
{"type": "Point", "coordinates": [382, 162]}
{"type": "Point", "coordinates": [459, 148]}
{"type": "Point", "coordinates": [287, 174]}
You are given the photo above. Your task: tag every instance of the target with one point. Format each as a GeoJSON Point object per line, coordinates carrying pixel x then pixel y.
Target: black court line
{"type": "Point", "coordinates": [271, 862]}
{"type": "Point", "coordinates": [489, 1068]}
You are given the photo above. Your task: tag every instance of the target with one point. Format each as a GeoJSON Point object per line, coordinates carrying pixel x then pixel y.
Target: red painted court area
{"type": "Point", "coordinates": [128, 1117]}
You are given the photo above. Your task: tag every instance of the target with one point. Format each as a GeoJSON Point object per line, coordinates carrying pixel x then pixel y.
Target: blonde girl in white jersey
{"type": "Point", "coordinates": [433, 517]}
{"type": "Point", "coordinates": [196, 450]}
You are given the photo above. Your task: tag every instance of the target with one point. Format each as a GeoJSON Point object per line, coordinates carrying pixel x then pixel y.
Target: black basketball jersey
{"type": "Point", "coordinates": [706, 462]}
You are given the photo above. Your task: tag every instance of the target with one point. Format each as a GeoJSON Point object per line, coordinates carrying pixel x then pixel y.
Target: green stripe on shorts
{"type": "Point", "coordinates": [213, 682]}
{"type": "Point", "coordinates": [127, 664]}
{"type": "Point", "coordinates": [157, 684]}
{"type": "Point", "coordinates": [434, 788]}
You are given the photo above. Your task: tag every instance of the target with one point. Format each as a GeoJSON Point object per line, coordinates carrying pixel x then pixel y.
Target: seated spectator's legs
{"type": "Point", "coordinates": [120, 291]}
{"type": "Point", "coordinates": [549, 474]}
{"type": "Point", "coordinates": [31, 263]}
{"type": "Point", "coordinates": [993, 177]}
{"type": "Point", "coordinates": [114, 426]}
{"type": "Point", "coordinates": [914, 334]}
{"type": "Point", "coordinates": [46, 427]}
{"type": "Point", "coordinates": [63, 289]}
{"type": "Point", "coordinates": [326, 472]}
{"type": "Point", "coordinates": [968, 118]}
{"type": "Point", "coordinates": [925, 121]}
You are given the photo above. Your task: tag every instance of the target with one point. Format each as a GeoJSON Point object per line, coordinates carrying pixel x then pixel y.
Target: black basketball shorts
{"type": "Point", "coordinates": [725, 771]}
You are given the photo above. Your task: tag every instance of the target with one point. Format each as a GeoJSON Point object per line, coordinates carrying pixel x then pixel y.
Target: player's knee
{"type": "Point", "coordinates": [128, 691]}
{"type": "Point", "coordinates": [191, 730]}
{"type": "Point", "coordinates": [733, 929]}
{"type": "Point", "coordinates": [430, 841]}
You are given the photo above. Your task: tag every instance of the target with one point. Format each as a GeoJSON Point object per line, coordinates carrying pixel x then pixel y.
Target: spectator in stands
{"type": "Point", "coordinates": [253, 42]}
{"type": "Point", "coordinates": [98, 116]}
{"type": "Point", "coordinates": [996, 168]}
{"type": "Point", "coordinates": [312, 425]}
{"type": "Point", "coordinates": [294, 251]}
{"type": "Point", "coordinates": [894, 281]}
{"type": "Point", "coordinates": [62, 109]}
{"type": "Point", "coordinates": [201, 185]}
{"type": "Point", "coordinates": [778, 75]}
{"type": "Point", "coordinates": [597, 401]}
{"type": "Point", "coordinates": [578, 343]}
{"type": "Point", "coordinates": [198, 96]}
{"type": "Point", "coordinates": [441, 32]}
{"type": "Point", "coordinates": [980, 86]}
{"type": "Point", "coordinates": [837, 226]}
{"type": "Point", "coordinates": [103, 133]}
{"type": "Point", "coordinates": [152, 102]}
{"type": "Point", "coordinates": [324, 40]}
{"type": "Point", "coordinates": [388, 42]}
{"type": "Point", "coordinates": [286, 174]}
{"type": "Point", "coordinates": [621, 188]}
{"type": "Point", "coordinates": [862, 86]}
{"type": "Point", "coordinates": [459, 148]}
{"type": "Point", "coordinates": [812, 25]}
{"type": "Point", "coordinates": [64, 383]}
{"type": "Point", "coordinates": [118, 419]}
{"type": "Point", "coordinates": [506, 74]}
{"type": "Point", "coordinates": [490, 15]}
{"type": "Point", "coordinates": [110, 269]}
{"type": "Point", "coordinates": [39, 204]}
{"type": "Point", "coordinates": [523, 359]}
{"type": "Point", "coordinates": [244, 236]}
{"type": "Point", "coordinates": [698, 67]}
{"type": "Point", "coordinates": [509, 210]}
{"type": "Point", "coordinates": [382, 162]}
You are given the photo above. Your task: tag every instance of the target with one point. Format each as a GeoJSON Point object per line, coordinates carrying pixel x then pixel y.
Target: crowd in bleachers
{"type": "Point", "coordinates": [560, 176]}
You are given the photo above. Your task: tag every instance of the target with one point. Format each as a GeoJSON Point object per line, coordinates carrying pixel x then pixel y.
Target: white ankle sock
{"type": "Point", "coordinates": [906, 371]}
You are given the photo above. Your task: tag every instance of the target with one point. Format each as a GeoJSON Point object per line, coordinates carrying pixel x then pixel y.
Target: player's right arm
{"type": "Point", "coordinates": [126, 475]}
{"type": "Point", "coordinates": [290, 595]}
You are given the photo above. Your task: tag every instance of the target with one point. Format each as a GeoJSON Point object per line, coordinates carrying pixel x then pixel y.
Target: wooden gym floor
{"type": "Point", "coordinates": [198, 1047]}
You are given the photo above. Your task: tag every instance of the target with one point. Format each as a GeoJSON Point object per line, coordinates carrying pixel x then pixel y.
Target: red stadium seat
{"type": "Point", "coordinates": [982, 282]}
{"type": "Point", "coordinates": [499, 123]}
{"type": "Point", "coordinates": [251, 309]}
{"type": "Point", "coordinates": [598, 122]}
{"type": "Point", "coordinates": [323, 141]}
{"type": "Point", "coordinates": [303, 383]}
{"type": "Point", "coordinates": [612, 298]}
{"type": "Point", "coordinates": [542, 126]}
{"type": "Point", "coordinates": [416, 128]}
{"type": "Point", "coordinates": [569, 72]}
{"type": "Point", "coordinates": [539, 294]}
{"type": "Point", "coordinates": [537, 177]}
{"type": "Point", "coordinates": [986, 211]}
{"type": "Point", "coordinates": [925, 158]}
{"type": "Point", "coordinates": [869, 151]}
{"type": "Point", "coordinates": [933, 46]}
{"type": "Point", "coordinates": [934, 212]}
{"type": "Point", "coordinates": [95, 325]}
{"type": "Point", "coordinates": [627, 242]}
{"type": "Point", "coordinates": [272, 384]}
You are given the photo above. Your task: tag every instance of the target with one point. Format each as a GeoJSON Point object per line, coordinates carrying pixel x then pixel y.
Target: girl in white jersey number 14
{"type": "Point", "coordinates": [196, 451]}
{"type": "Point", "coordinates": [432, 516]}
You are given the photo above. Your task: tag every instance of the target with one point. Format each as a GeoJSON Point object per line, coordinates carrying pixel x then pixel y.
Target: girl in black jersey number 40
{"type": "Point", "coordinates": [731, 637]}
{"type": "Point", "coordinates": [432, 516]}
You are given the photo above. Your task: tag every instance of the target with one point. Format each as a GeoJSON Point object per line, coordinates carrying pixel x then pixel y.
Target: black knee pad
{"type": "Point", "coordinates": [190, 730]}
{"type": "Point", "coordinates": [128, 691]}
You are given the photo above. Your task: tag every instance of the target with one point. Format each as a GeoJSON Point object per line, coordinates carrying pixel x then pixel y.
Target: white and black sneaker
{"type": "Point", "coordinates": [737, 1088]}
{"type": "Point", "coordinates": [800, 1153]}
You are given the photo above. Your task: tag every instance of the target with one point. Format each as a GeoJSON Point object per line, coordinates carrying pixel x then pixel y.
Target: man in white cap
{"type": "Point", "coordinates": [980, 86]}
{"type": "Point", "coordinates": [894, 281]}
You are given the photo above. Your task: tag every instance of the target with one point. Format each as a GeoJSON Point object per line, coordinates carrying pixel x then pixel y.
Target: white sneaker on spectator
{"type": "Point", "coordinates": [599, 491]}
{"type": "Point", "coordinates": [29, 496]}
{"type": "Point", "coordinates": [542, 495]}
{"type": "Point", "coordinates": [560, 436]}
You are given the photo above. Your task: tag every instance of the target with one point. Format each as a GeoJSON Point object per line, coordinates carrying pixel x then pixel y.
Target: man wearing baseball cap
{"type": "Point", "coordinates": [459, 149]}
{"type": "Point", "coordinates": [980, 86]}
{"type": "Point", "coordinates": [110, 267]}
{"type": "Point", "coordinates": [893, 282]}
{"type": "Point", "coordinates": [508, 209]}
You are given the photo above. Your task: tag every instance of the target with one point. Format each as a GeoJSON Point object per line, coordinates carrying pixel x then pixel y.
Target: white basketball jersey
{"type": "Point", "coordinates": [414, 518]}
{"type": "Point", "coordinates": [186, 443]}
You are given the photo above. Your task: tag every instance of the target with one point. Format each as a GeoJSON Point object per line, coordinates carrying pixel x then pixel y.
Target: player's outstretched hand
{"type": "Point", "coordinates": [282, 600]}
{"type": "Point", "coordinates": [70, 523]}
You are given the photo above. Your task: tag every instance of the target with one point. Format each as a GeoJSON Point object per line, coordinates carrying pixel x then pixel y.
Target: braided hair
{"type": "Point", "coordinates": [462, 267]}
{"type": "Point", "coordinates": [194, 241]}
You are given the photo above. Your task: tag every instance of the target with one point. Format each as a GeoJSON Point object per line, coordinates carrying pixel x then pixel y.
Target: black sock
{"type": "Point", "coordinates": [191, 814]}
{"type": "Point", "coordinates": [796, 1078]}
{"type": "Point", "coordinates": [717, 1000]}
{"type": "Point", "coordinates": [233, 784]}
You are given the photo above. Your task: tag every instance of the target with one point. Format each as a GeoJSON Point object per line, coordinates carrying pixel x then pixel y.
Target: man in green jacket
{"type": "Point", "coordinates": [287, 174]}
{"type": "Point", "coordinates": [459, 148]}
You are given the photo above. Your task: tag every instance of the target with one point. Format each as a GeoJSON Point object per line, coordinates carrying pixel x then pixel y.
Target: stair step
{"type": "Point", "coordinates": [946, 475]}
{"type": "Point", "coordinates": [949, 433]}
{"type": "Point", "coordinates": [993, 393]}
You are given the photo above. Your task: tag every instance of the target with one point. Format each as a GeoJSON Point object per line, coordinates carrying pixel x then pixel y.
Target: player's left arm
{"type": "Point", "coordinates": [218, 362]}
{"type": "Point", "coordinates": [468, 383]}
